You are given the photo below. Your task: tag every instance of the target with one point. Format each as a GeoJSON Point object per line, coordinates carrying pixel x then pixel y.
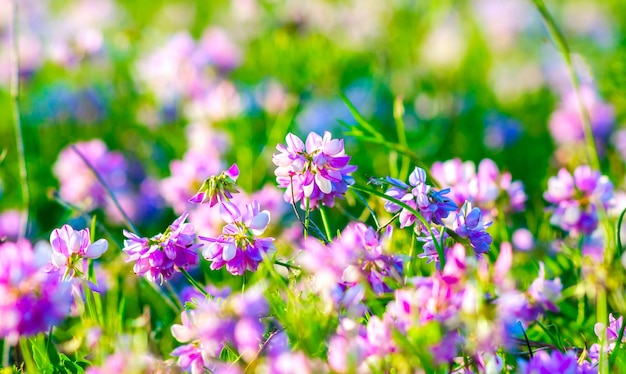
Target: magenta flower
{"type": "Point", "coordinates": [433, 205]}
{"type": "Point", "coordinates": [239, 247]}
{"type": "Point", "coordinates": [31, 300]}
{"type": "Point", "coordinates": [157, 258]}
{"type": "Point", "coordinates": [70, 249]}
{"type": "Point", "coordinates": [576, 199]}
{"type": "Point", "coordinates": [317, 170]}
{"type": "Point", "coordinates": [217, 188]}
{"type": "Point", "coordinates": [556, 362]}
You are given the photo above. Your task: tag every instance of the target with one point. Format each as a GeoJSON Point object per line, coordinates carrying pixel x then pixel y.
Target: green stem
{"type": "Point", "coordinates": [17, 122]}
{"type": "Point", "coordinates": [562, 47]}
{"type": "Point", "coordinates": [104, 184]}
{"type": "Point", "coordinates": [28, 357]}
{"type": "Point", "coordinates": [286, 265]}
{"type": "Point", "coordinates": [325, 223]}
{"type": "Point", "coordinates": [618, 345]}
{"type": "Point", "coordinates": [6, 348]}
{"type": "Point", "coordinates": [194, 283]}
{"type": "Point", "coordinates": [619, 232]}
{"type": "Point", "coordinates": [601, 314]}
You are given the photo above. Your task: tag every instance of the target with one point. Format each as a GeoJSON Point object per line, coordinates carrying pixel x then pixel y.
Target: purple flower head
{"type": "Point", "coordinates": [239, 247]}
{"type": "Point", "coordinates": [348, 349]}
{"type": "Point", "coordinates": [566, 124]}
{"type": "Point", "coordinates": [543, 294]}
{"type": "Point", "coordinates": [317, 170]}
{"type": "Point", "coordinates": [433, 205]}
{"type": "Point", "coordinates": [218, 188]}
{"type": "Point", "coordinates": [576, 198]}
{"type": "Point", "coordinates": [158, 257]}
{"type": "Point", "coordinates": [31, 300]}
{"type": "Point", "coordinates": [469, 224]}
{"type": "Point", "coordinates": [556, 362]}
{"type": "Point", "coordinates": [71, 247]}
{"type": "Point", "coordinates": [488, 188]}
{"type": "Point", "coordinates": [610, 340]}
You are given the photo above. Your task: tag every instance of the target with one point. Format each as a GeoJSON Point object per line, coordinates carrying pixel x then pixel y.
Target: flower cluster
{"type": "Point", "coordinates": [31, 300]}
{"type": "Point", "coordinates": [238, 247]}
{"type": "Point", "coordinates": [218, 188]}
{"type": "Point", "coordinates": [486, 188]}
{"type": "Point", "coordinates": [158, 257]}
{"type": "Point", "coordinates": [315, 172]}
{"type": "Point", "coordinates": [433, 205]}
{"type": "Point", "coordinates": [576, 199]}
{"type": "Point", "coordinates": [212, 325]}
{"type": "Point", "coordinates": [71, 248]}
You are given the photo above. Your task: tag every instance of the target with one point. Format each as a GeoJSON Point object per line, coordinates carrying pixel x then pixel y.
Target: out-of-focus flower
{"type": "Point", "coordinates": [10, 224]}
{"type": "Point", "coordinates": [566, 124]}
{"type": "Point", "coordinates": [610, 339]}
{"type": "Point", "coordinates": [211, 325]}
{"type": "Point", "coordinates": [576, 199]}
{"type": "Point", "coordinates": [217, 188]}
{"type": "Point", "coordinates": [70, 249]}
{"type": "Point", "coordinates": [31, 300]}
{"type": "Point", "coordinates": [555, 362]}
{"type": "Point", "coordinates": [158, 257]}
{"type": "Point", "coordinates": [433, 205]}
{"type": "Point", "coordinates": [523, 239]}
{"type": "Point", "coordinates": [317, 172]}
{"type": "Point", "coordinates": [489, 189]}
{"type": "Point", "coordinates": [130, 363]}
{"type": "Point", "coordinates": [239, 247]}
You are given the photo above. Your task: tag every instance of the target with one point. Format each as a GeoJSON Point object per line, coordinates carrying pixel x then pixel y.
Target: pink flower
{"type": "Point", "coordinates": [239, 247]}
{"type": "Point", "coordinates": [317, 171]}
{"type": "Point", "coordinates": [217, 188]}
{"type": "Point", "coordinates": [70, 247]}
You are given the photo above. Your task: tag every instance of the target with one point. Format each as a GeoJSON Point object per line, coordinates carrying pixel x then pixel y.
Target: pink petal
{"type": "Point", "coordinates": [229, 251]}
{"type": "Point", "coordinates": [259, 222]}
{"type": "Point", "coordinates": [96, 249]}
{"type": "Point", "coordinates": [324, 184]}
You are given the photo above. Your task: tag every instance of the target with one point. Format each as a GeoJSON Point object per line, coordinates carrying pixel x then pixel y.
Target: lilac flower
{"type": "Point", "coordinates": [348, 349]}
{"type": "Point", "coordinates": [610, 339]}
{"type": "Point", "coordinates": [544, 293]}
{"type": "Point", "coordinates": [31, 300]}
{"type": "Point", "coordinates": [10, 224]}
{"type": "Point", "coordinates": [239, 247]}
{"type": "Point", "coordinates": [576, 199]}
{"type": "Point", "coordinates": [211, 325]}
{"type": "Point", "coordinates": [433, 205]}
{"type": "Point", "coordinates": [556, 362]}
{"type": "Point", "coordinates": [487, 188]}
{"type": "Point", "coordinates": [566, 124]}
{"type": "Point", "coordinates": [70, 248]}
{"type": "Point", "coordinates": [217, 188]}
{"type": "Point", "coordinates": [158, 257]}
{"type": "Point", "coordinates": [469, 225]}
{"type": "Point", "coordinates": [317, 171]}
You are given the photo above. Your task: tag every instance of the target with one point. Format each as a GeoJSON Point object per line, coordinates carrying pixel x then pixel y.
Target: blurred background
{"type": "Point", "coordinates": [159, 95]}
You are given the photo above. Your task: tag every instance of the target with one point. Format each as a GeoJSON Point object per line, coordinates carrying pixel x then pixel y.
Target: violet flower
{"type": "Point", "coordinates": [70, 248]}
{"type": "Point", "coordinates": [31, 300]}
{"type": "Point", "coordinates": [217, 188]}
{"type": "Point", "coordinates": [433, 205]}
{"type": "Point", "coordinates": [317, 171]}
{"type": "Point", "coordinates": [576, 199]}
{"type": "Point", "coordinates": [469, 224]}
{"type": "Point", "coordinates": [556, 362]}
{"type": "Point", "coordinates": [158, 257]}
{"type": "Point", "coordinates": [239, 247]}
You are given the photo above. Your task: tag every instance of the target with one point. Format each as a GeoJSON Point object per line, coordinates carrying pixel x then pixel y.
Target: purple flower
{"type": "Point", "coordinates": [469, 225]}
{"type": "Point", "coordinates": [566, 124]}
{"type": "Point", "coordinates": [317, 171]}
{"type": "Point", "coordinates": [239, 247]}
{"type": "Point", "coordinates": [211, 325]}
{"type": "Point", "coordinates": [575, 199]}
{"type": "Point", "coordinates": [70, 248]}
{"type": "Point", "coordinates": [433, 205]}
{"type": "Point", "coordinates": [158, 257]}
{"type": "Point", "coordinates": [557, 362]}
{"type": "Point", "coordinates": [217, 188]}
{"type": "Point", "coordinates": [610, 340]}
{"type": "Point", "coordinates": [31, 300]}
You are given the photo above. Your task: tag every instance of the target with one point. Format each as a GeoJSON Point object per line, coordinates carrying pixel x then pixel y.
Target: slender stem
{"type": "Point", "coordinates": [28, 358]}
{"type": "Point", "coordinates": [325, 222]}
{"type": "Point", "coordinates": [104, 184]}
{"type": "Point", "coordinates": [307, 211]}
{"type": "Point", "coordinates": [6, 348]}
{"type": "Point", "coordinates": [286, 265]}
{"type": "Point", "coordinates": [17, 122]}
{"type": "Point", "coordinates": [530, 350]}
{"type": "Point", "coordinates": [561, 45]}
{"type": "Point", "coordinates": [173, 295]}
{"type": "Point", "coordinates": [619, 232]}
{"type": "Point", "coordinates": [194, 283]}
